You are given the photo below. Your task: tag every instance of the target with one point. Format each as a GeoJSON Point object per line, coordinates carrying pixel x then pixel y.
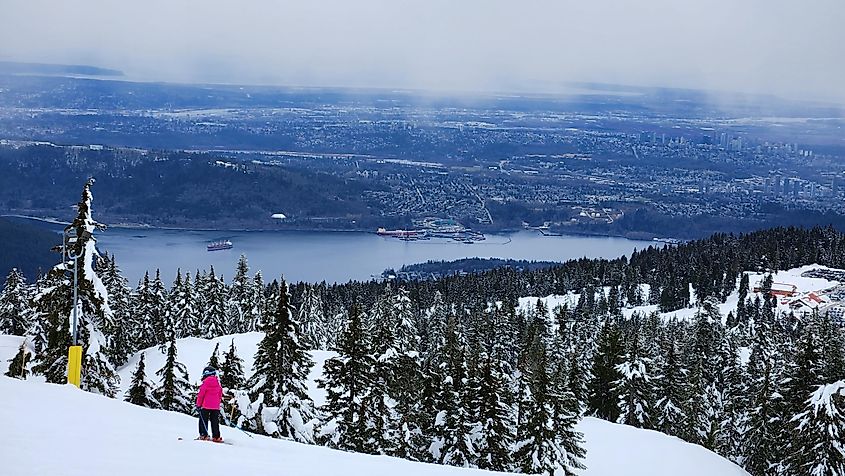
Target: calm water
{"type": "Point", "coordinates": [330, 256]}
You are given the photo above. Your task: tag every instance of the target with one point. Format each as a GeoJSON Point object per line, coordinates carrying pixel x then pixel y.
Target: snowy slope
{"type": "Point", "coordinates": [145, 440]}
{"type": "Point", "coordinates": [57, 429]}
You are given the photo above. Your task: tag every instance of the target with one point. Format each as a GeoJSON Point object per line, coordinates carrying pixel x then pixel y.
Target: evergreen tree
{"type": "Point", "coordinates": [214, 360]}
{"type": "Point", "coordinates": [635, 388]}
{"type": "Point", "coordinates": [278, 383]}
{"type": "Point", "coordinates": [495, 427]}
{"type": "Point", "coordinates": [761, 438]}
{"type": "Point", "coordinates": [547, 442]}
{"type": "Point", "coordinates": [240, 299]}
{"type": "Point", "coordinates": [347, 380]}
{"type": "Point", "coordinates": [821, 429]}
{"type": "Point", "coordinates": [181, 307]}
{"type": "Point", "coordinates": [214, 320]}
{"type": "Point", "coordinates": [231, 371]}
{"type": "Point", "coordinates": [15, 309]}
{"type": "Point", "coordinates": [120, 334]}
{"type": "Point", "coordinates": [311, 317]}
{"type": "Point", "coordinates": [140, 391]}
{"type": "Point", "coordinates": [603, 398]}
{"type": "Point", "coordinates": [452, 443]}
{"type": "Point", "coordinates": [671, 389]}
{"type": "Point", "coordinates": [93, 313]}
{"type": "Point", "coordinates": [18, 364]}
{"type": "Point", "coordinates": [174, 389]}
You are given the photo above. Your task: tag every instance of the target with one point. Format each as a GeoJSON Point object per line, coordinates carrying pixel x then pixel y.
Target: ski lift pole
{"type": "Point", "coordinates": [74, 355]}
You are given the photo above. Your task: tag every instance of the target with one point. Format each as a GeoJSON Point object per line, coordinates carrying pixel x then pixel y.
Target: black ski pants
{"type": "Point", "coordinates": [209, 416]}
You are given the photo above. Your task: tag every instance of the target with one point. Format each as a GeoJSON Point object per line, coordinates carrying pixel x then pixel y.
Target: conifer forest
{"type": "Point", "coordinates": [455, 371]}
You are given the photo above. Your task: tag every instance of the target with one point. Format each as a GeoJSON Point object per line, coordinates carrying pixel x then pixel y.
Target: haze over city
{"type": "Point", "coordinates": [786, 48]}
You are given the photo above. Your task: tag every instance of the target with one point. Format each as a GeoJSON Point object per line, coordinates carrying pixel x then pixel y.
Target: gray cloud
{"type": "Point", "coordinates": [783, 47]}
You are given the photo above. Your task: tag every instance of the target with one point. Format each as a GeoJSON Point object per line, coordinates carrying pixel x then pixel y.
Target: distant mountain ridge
{"type": "Point", "coordinates": [16, 67]}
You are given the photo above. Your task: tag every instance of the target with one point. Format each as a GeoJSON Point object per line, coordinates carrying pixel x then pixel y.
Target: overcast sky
{"type": "Point", "coordinates": [792, 48]}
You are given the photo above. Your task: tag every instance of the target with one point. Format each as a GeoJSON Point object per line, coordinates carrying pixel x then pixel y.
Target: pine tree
{"type": "Point", "coordinates": [671, 389]}
{"type": "Point", "coordinates": [495, 426]}
{"type": "Point", "coordinates": [214, 360]}
{"type": "Point", "coordinates": [452, 443]}
{"type": "Point", "coordinates": [140, 391]}
{"type": "Point", "coordinates": [280, 369]}
{"type": "Point", "coordinates": [93, 312]}
{"type": "Point", "coordinates": [821, 429]}
{"type": "Point", "coordinates": [119, 335]}
{"type": "Point", "coordinates": [155, 309]}
{"type": "Point", "coordinates": [142, 329]}
{"type": "Point", "coordinates": [240, 299]}
{"type": "Point", "coordinates": [214, 321]}
{"type": "Point", "coordinates": [181, 307]}
{"type": "Point", "coordinates": [231, 371]}
{"type": "Point", "coordinates": [762, 436]}
{"type": "Point", "coordinates": [311, 317]}
{"type": "Point", "coordinates": [347, 380]}
{"type": "Point", "coordinates": [603, 398]}
{"type": "Point", "coordinates": [635, 387]}
{"type": "Point", "coordinates": [174, 389]}
{"type": "Point", "coordinates": [15, 309]}
{"type": "Point", "coordinates": [547, 442]}
{"type": "Point", "coordinates": [18, 364]}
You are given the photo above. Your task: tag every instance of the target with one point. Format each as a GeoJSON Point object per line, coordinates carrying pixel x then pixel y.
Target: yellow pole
{"type": "Point", "coordinates": [74, 365]}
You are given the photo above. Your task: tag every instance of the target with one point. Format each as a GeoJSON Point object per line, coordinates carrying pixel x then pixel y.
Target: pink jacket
{"type": "Point", "coordinates": [210, 393]}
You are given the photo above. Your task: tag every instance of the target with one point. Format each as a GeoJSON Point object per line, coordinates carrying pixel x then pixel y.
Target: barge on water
{"type": "Point", "coordinates": [219, 245]}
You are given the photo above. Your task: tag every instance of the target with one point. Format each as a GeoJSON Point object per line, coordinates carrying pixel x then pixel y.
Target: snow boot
{"type": "Point", "coordinates": [203, 438]}
{"type": "Point", "coordinates": [217, 440]}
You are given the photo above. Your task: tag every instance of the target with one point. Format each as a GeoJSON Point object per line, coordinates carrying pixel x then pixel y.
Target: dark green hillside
{"type": "Point", "coordinates": [26, 247]}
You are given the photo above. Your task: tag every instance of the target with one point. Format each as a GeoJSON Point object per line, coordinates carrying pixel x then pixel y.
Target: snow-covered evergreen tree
{"type": "Point", "coordinates": [279, 372]}
{"type": "Point", "coordinates": [635, 387]}
{"type": "Point", "coordinates": [819, 448]}
{"type": "Point", "coordinates": [119, 335]}
{"type": "Point", "coordinates": [494, 432]}
{"type": "Point", "coordinates": [54, 304]}
{"type": "Point", "coordinates": [215, 320]}
{"type": "Point", "coordinates": [18, 365]}
{"type": "Point", "coordinates": [140, 390]}
{"type": "Point", "coordinates": [312, 320]}
{"type": "Point", "coordinates": [240, 299]}
{"type": "Point", "coordinates": [347, 380]}
{"type": "Point", "coordinates": [670, 389]}
{"type": "Point", "coordinates": [232, 369]}
{"type": "Point", "coordinates": [547, 442]}
{"type": "Point", "coordinates": [452, 430]}
{"type": "Point", "coordinates": [182, 312]}
{"type": "Point", "coordinates": [155, 310]}
{"type": "Point", "coordinates": [174, 390]}
{"type": "Point", "coordinates": [603, 398]}
{"type": "Point", "coordinates": [15, 309]}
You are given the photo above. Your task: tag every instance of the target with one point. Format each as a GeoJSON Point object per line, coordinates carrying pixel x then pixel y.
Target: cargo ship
{"type": "Point", "coordinates": [219, 245]}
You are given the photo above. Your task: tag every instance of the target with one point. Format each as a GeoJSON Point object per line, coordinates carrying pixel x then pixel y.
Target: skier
{"type": "Point", "coordinates": [208, 405]}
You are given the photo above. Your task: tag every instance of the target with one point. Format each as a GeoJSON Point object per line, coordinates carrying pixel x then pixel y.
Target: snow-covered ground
{"type": "Point", "coordinates": [57, 429]}
{"type": "Point", "coordinates": [803, 286]}
{"type": "Point", "coordinates": [90, 434]}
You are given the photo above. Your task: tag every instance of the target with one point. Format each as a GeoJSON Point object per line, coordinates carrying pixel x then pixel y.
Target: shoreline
{"type": "Point", "coordinates": [499, 232]}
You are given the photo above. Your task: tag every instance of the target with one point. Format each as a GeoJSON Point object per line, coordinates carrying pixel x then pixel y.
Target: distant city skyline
{"type": "Point", "coordinates": [789, 49]}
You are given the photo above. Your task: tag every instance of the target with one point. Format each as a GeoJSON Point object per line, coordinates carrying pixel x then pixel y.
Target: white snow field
{"type": "Point", "coordinates": [58, 429]}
